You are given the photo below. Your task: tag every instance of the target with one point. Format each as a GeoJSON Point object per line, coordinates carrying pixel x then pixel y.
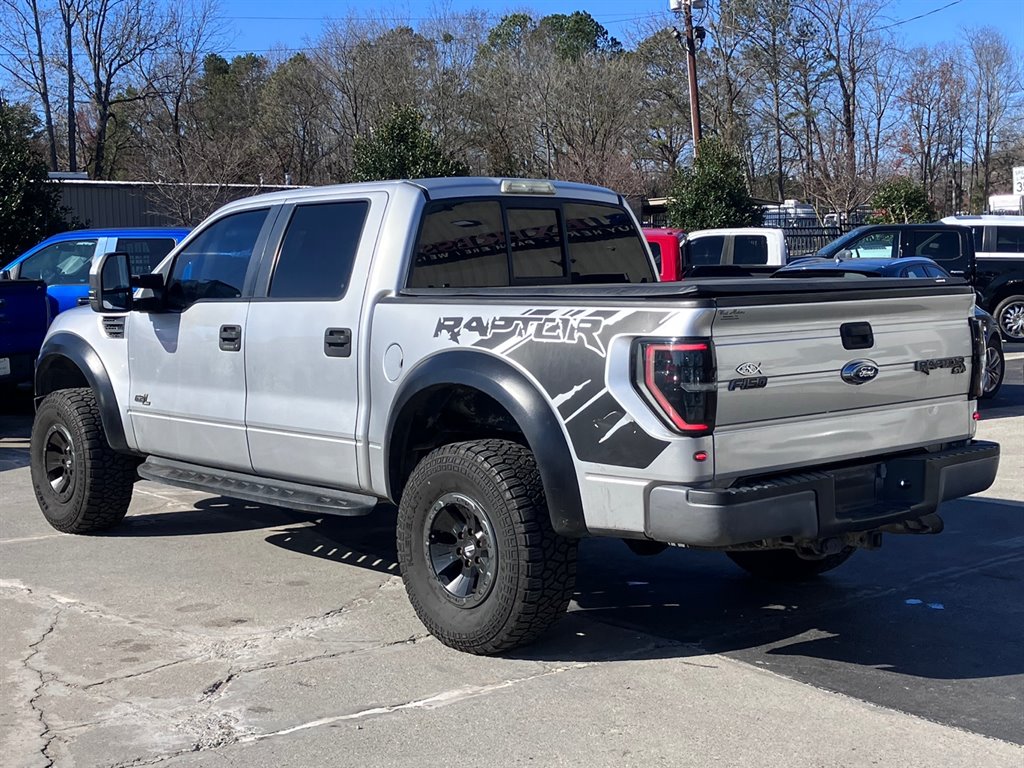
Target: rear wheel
{"type": "Point", "coordinates": [483, 568]}
{"type": "Point", "coordinates": [995, 367]}
{"type": "Point", "coordinates": [1010, 316]}
{"type": "Point", "coordinates": [82, 484]}
{"type": "Point", "coordinates": [785, 564]}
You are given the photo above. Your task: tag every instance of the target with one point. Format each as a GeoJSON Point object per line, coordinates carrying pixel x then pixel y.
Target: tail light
{"type": "Point", "coordinates": [677, 378]}
{"type": "Point", "coordinates": [978, 353]}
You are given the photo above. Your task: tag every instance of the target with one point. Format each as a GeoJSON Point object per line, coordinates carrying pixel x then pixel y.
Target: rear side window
{"type": "Point", "coordinates": [940, 247]}
{"type": "Point", "coordinates": [214, 264]}
{"type": "Point", "coordinates": [144, 253]}
{"type": "Point", "coordinates": [461, 245]}
{"type": "Point", "coordinates": [536, 240]}
{"type": "Point", "coordinates": [1009, 239]}
{"type": "Point", "coordinates": [707, 250]}
{"type": "Point", "coordinates": [750, 250]}
{"type": "Point", "coordinates": [318, 251]}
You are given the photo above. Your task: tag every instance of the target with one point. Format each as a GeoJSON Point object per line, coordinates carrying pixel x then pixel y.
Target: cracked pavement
{"type": "Point", "coordinates": [205, 632]}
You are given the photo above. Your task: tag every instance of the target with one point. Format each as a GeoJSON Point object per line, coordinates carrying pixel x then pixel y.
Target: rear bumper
{"type": "Point", "coordinates": [819, 504]}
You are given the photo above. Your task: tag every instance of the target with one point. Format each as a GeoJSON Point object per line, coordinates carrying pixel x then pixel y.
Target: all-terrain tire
{"type": "Point", "coordinates": [785, 564]}
{"type": "Point", "coordinates": [527, 585]}
{"type": "Point", "coordinates": [82, 484]}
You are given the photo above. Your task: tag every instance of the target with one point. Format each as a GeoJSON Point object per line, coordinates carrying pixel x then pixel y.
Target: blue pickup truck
{"type": "Point", "coordinates": [24, 318]}
{"type": "Point", "coordinates": [54, 276]}
{"type": "Point", "coordinates": [62, 261]}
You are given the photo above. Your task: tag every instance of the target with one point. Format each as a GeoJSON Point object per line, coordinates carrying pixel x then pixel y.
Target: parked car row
{"type": "Point", "coordinates": [53, 276]}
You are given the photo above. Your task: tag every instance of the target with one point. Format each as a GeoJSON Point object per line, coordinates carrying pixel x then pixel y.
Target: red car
{"type": "Point", "coordinates": [666, 244]}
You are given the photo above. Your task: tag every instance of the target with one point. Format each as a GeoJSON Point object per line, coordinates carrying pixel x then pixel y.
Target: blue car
{"type": "Point", "coordinates": [63, 261]}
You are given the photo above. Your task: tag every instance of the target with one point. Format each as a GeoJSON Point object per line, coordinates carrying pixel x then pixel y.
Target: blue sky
{"type": "Point", "coordinates": [259, 25]}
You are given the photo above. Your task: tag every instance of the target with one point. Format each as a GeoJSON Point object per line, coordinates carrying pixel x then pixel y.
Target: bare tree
{"type": "Point", "coordinates": [120, 42]}
{"type": "Point", "coordinates": [23, 24]}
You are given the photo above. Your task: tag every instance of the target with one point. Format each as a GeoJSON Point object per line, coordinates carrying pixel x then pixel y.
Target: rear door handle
{"type": "Point", "coordinates": [857, 335]}
{"type": "Point", "coordinates": [231, 338]}
{"type": "Point", "coordinates": [338, 342]}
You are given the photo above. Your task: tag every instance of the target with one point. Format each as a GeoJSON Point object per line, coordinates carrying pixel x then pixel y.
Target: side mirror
{"type": "Point", "coordinates": [5, 274]}
{"type": "Point", "coordinates": [110, 283]}
{"type": "Point", "coordinates": [154, 283]}
{"type": "Point", "coordinates": [845, 253]}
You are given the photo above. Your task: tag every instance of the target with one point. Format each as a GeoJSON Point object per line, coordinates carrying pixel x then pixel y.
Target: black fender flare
{"type": "Point", "coordinates": [509, 387]}
{"type": "Point", "coordinates": [62, 345]}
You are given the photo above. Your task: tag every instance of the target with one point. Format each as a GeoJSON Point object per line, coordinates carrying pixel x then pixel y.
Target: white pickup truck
{"type": "Point", "coordinates": [496, 357]}
{"type": "Point", "coordinates": [707, 252]}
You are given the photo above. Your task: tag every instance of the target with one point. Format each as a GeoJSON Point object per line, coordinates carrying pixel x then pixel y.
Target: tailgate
{"type": "Point", "coordinates": [803, 382]}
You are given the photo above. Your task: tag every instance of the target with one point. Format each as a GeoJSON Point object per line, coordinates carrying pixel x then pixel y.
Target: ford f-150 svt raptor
{"type": "Point", "coordinates": [495, 356]}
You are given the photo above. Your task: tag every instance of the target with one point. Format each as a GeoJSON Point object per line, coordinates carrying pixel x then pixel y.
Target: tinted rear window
{"type": "Point", "coordinates": [940, 247]}
{"type": "Point", "coordinates": [604, 245]}
{"type": "Point", "coordinates": [461, 245]}
{"type": "Point", "coordinates": [707, 250]}
{"type": "Point", "coordinates": [535, 236]}
{"type": "Point", "coordinates": [750, 249]}
{"type": "Point", "coordinates": [464, 245]}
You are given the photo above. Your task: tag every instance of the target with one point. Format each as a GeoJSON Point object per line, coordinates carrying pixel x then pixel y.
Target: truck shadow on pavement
{"type": "Point", "coordinates": [939, 607]}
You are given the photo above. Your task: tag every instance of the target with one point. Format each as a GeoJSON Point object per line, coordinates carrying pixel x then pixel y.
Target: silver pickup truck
{"type": "Point", "coordinates": [495, 357]}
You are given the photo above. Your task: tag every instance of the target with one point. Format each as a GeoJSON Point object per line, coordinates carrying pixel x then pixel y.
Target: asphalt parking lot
{"type": "Point", "coordinates": [205, 632]}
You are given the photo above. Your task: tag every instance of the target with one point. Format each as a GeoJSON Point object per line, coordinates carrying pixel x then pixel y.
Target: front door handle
{"type": "Point", "coordinates": [338, 342]}
{"type": "Point", "coordinates": [231, 338]}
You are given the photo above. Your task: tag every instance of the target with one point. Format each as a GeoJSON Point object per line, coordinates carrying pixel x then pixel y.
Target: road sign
{"type": "Point", "coordinates": [1018, 180]}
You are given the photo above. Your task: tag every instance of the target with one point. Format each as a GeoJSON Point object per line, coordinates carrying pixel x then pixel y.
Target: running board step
{"type": "Point", "coordinates": [263, 490]}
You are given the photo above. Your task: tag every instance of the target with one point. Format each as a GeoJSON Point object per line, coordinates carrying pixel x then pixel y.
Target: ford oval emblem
{"type": "Point", "coordinates": [859, 371]}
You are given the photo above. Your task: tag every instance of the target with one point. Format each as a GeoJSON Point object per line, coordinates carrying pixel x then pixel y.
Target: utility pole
{"type": "Point", "coordinates": [690, 44]}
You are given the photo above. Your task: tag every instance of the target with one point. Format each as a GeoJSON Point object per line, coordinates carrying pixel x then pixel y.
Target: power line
{"type": "Point", "coordinates": [915, 18]}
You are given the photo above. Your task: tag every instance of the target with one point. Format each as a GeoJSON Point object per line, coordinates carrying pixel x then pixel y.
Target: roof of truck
{"type": "Point", "coordinates": [454, 186]}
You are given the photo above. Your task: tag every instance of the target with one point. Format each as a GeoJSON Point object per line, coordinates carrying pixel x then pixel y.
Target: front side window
{"type": "Point", "coordinates": [64, 263]}
{"type": "Point", "coordinates": [604, 245]}
{"type": "Point", "coordinates": [1009, 239]}
{"type": "Point", "coordinates": [917, 270]}
{"type": "Point", "coordinates": [461, 245]}
{"type": "Point", "coordinates": [214, 264]}
{"type": "Point", "coordinates": [536, 240]}
{"type": "Point", "coordinates": [318, 251]}
{"type": "Point", "coordinates": [876, 245]}
{"type": "Point", "coordinates": [145, 253]}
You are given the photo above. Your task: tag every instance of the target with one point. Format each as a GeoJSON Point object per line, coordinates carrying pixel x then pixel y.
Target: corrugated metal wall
{"type": "Point", "coordinates": [127, 204]}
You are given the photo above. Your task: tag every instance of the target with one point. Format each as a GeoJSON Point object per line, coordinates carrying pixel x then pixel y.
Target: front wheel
{"type": "Point", "coordinates": [82, 484]}
{"type": "Point", "coordinates": [1010, 317]}
{"type": "Point", "coordinates": [483, 568]}
{"type": "Point", "coordinates": [786, 564]}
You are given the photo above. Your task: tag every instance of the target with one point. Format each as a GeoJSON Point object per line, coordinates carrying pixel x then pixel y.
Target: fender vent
{"type": "Point", "coordinates": [114, 326]}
